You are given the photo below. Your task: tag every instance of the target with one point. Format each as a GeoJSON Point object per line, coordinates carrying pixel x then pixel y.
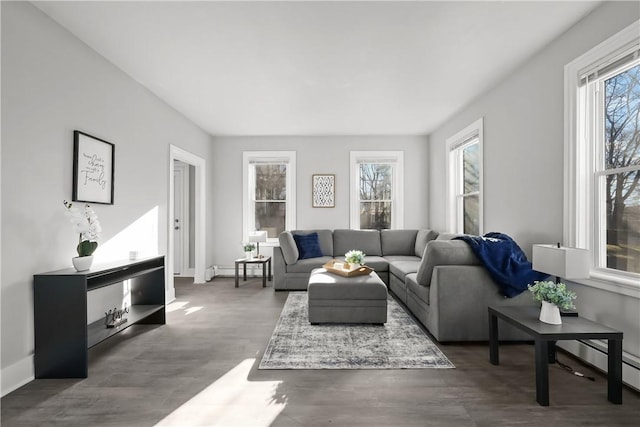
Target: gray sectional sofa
{"type": "Point", "coordinates": [438, 279]}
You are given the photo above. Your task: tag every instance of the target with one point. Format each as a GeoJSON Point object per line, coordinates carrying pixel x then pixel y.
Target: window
{"type": "Point", "coordinates": [376, 189]}
{"type": "Point", "coordinates": [464, 180]}
{"type": "Point", "coordinates": [269, 192]}
{"type": "Point", "coordinates": [602, 211]}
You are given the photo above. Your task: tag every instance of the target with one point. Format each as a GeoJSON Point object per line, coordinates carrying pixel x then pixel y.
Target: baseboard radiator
{"type": "Point", "coordinates": [594, 352]}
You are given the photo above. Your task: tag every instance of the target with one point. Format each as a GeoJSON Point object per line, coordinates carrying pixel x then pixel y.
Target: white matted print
{"type": "Point", "coordinates": [324, 188]}
{"type": "Point", "coordinates": [93, 169]}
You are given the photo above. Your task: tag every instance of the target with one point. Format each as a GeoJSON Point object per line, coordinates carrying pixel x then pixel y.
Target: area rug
{"type": "Point", "coordinates": [399, 344]}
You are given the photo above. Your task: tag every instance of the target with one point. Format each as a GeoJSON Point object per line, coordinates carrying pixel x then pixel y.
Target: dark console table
{"type": "Point", "coordinates": [62, 335]}
{"type": "Point", "coordinates": [545, 336]}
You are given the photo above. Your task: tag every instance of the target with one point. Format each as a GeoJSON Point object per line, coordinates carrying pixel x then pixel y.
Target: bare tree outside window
{"type": "Point", "coordinates": [471, 189]}
{"type": "Point", "coordinates": [622, 170]}
{"type": "Point", "coordinates": [270, 198]}
{"type": "Point", "coordinates": [375, 196]}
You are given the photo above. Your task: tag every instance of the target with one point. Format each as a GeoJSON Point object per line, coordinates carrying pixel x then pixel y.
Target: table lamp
{"type": "Point", "coordinates": [561, 261]}
{"type": "Point", "coordinates": [257, 237]}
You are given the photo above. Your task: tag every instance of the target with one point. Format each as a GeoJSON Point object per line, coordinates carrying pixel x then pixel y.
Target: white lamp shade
{"type": "Point", "coordinates": [258, 236]}
{"type": "Point", "coordinates": [568, 263]}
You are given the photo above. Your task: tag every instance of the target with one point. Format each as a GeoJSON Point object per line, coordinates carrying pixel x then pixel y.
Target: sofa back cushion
{"type": "Point", "coordinates": [398, 242]}
{"type": "Point", "coordinates": [367, 241]}
{"type": "Point", "coordinates": [422, 238]}
{"type": "Point", "coordinates": [289, 248]}
{"type": "Point", "coordinates": [444, 252]}
{"type": "Point", "coordinates": [325, 238]}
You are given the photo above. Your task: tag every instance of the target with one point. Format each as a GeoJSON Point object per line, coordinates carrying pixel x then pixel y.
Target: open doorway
{"type": "Point", "coordinates": [192, 241]}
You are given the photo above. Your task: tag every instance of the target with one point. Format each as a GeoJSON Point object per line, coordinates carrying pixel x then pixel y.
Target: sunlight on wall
{"type": "Point", "coordinates": [231, 401]}
{"type": "Point", "coordinates": [141, 236]}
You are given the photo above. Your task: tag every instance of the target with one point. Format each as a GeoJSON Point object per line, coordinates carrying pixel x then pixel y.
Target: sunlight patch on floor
{"type": "Point", "coordinates": [191, 310]}
{"type": "Point", "coordinates": [182, 305]}
{"type": "Point", "coordinates": [231, 401]}
{"type": "Point", "coordinates": [175, 306]}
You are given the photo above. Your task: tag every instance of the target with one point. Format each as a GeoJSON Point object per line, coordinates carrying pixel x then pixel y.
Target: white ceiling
{"type": "Point", "coordinates": [317, 68]}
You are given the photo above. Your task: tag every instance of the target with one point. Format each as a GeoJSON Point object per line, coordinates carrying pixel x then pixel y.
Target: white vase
{"type": "Point", "coordinates": [82, 263]}
{"type": "Point", "coordinates": [550, 313]}
{"type": "Point", "coordinates": [248, 255]}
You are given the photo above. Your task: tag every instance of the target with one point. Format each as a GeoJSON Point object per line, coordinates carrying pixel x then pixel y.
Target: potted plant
{"type": "Point", "coordinates": [85, 223]}
{"type": "Point", "coordinates": [554, 296]}
{"type": "Point", "coordinates": [248, 249]}
{"type": "Point", "coordinates": [355, 258]}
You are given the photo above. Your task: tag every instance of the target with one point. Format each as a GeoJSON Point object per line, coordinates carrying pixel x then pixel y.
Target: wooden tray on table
{"type": "Point", "coordinates": [361, 271]}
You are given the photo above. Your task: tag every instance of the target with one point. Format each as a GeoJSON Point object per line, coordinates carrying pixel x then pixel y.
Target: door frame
{"type": "Point", "coordinates": [177, 153]}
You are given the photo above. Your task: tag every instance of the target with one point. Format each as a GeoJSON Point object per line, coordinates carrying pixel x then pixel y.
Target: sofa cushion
{"type": "Point", "coordinates": [398, 242]}
{"type": "Point", "coordinates": [308, 264]}
{"type": "Point", "coordinates": [422, 238]}
{"type": "Point", "coordinates": [401, 265]}
{"type": "Point", "coordinates": [289, 248]}
{"type": "Point", "coordinates": [421, 292]}
{"type": "Point", "coordinates": [325, 237]}
{"type": "Point", "coordinates": [377, 263]}
{"type": "Point", "coordinates": [444, 252]}
{"type": "Point", "coordinates": [308, 245]}
{"type": "Point", "coordinates": [367, 241]}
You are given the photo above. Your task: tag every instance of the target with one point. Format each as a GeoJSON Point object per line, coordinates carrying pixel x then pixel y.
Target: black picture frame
{"type": "Point", "coordinates": [93, 169]}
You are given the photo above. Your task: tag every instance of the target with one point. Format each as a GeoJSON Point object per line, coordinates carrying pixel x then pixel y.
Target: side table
{"type": "Point", "coordinates": [265, 262]}
{"type": "Point", "coordinates": [545, 335]}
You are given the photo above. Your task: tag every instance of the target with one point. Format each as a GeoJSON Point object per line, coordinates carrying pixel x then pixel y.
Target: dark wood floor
{"type": "Point", "coordinates": [201, 369]}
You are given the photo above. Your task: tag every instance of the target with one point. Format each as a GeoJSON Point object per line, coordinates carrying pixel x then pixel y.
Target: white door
{"type": "Point", "coordinates": [180, 232]}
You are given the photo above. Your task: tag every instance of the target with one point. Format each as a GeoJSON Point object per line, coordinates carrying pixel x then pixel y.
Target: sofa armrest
{"type": "Point", "coordinates": [458, 299]}
{"type": "Point", "coordinates": [444, 252]}
{"type": "Point", "coordinates": [279, 268]}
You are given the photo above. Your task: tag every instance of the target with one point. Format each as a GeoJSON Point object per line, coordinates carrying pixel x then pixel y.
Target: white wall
{"type": "Point", "coordinates": [52, 83]}
{"type": "Point", "coordinates": [523, 155]}
{"type": "Point", "coordinates": [314, 155]}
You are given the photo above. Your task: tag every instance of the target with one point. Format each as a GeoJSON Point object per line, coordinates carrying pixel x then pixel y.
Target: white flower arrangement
{"type": "Point", "coordinates": [85, 223]}
{"type": "Point", "coordinates": [355, 257]}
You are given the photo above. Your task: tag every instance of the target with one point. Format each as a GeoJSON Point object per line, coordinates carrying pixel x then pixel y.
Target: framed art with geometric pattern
{"type": "Point", "coordinates": [324, 190]}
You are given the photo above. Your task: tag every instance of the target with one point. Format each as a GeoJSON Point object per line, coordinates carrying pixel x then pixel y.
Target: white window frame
{"type": "Point", "coordinates": [248, 189]}
{"type": "Point", "coordinates": [454, 206]}
{"type": "Point", "coordinates": [396, 160]}
{"type": "Point", "coordinates": [580, 188]}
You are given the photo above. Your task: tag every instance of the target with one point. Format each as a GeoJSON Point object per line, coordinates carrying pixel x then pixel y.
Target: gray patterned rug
{"type": "Point", "coordinates": [399, 344]}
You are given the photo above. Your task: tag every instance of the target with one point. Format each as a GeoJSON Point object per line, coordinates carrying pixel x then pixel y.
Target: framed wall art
{"type": "Point", "coordinates": [93, 169]}
{"type": "Point", "coordinates": [324, 188]}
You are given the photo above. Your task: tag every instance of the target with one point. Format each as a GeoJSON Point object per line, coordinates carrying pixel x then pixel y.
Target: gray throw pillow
{"type": "Point", "coordinates": [288, 247]}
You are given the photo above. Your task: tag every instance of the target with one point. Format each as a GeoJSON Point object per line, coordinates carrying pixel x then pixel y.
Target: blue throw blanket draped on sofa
{"type": "Point", "coordinates": [505, 261]}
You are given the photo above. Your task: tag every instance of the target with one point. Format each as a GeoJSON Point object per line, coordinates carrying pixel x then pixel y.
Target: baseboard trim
{"type": "Point", "coordinates": [16, 375]}
{"type": "Point", "coordinates": [594, 353]}
{"type": "Point", "coordinates": [169, 295]}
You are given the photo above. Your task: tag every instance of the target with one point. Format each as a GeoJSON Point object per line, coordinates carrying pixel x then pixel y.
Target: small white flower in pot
{"type": "Point", "coordinates": [355, 257]}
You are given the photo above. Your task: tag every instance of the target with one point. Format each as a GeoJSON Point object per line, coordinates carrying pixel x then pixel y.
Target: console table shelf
{"type": "Point", "coordinates": [62, 333]}
{"type": "Point", "coordinates": [97, 332]}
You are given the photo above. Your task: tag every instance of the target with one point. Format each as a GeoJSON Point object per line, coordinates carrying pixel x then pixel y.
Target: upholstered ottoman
{"type": "Point", "coordinates": [337, 299]}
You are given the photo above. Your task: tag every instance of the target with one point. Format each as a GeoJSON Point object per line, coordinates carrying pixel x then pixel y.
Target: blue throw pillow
{"type": "Point", "coordinates": [308, 245]}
